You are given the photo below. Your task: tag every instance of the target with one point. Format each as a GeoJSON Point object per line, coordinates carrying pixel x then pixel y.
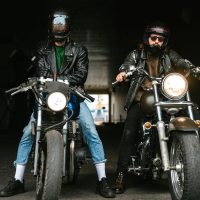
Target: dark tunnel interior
{"type": "Point", "coordinates": [119, 25]}
{"type": "Point", "coordinates": [110, 29]}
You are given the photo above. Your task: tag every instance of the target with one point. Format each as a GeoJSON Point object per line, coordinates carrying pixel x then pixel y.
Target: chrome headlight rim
{"type": "Point", "coordinates": [167, 94]}
{"type": "Point", "coordinates": [56, 101]}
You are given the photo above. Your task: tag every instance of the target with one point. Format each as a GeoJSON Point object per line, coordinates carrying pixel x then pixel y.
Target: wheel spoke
{"type": "Point", "coordinates": [177, 175]}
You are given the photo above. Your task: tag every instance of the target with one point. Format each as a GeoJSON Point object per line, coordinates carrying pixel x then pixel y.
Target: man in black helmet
{"type": "Point", "coordinates": [157, 58]}
{"type": "Point", "coordinates": [59, 56]}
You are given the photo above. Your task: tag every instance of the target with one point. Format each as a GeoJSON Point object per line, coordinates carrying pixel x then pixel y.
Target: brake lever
{"type": "Point", "coordinates": [12, 89]}
{"type": "Point", "coordinates": [127, 75]}
{"type": "Point", "coordinates": [24, 89]}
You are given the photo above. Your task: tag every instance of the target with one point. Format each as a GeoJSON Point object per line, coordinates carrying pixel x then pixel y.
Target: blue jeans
{"type": "Point", "coordinates": [89, 131]}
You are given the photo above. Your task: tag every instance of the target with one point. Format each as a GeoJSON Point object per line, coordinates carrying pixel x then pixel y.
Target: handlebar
{"type": "Point", "coordinates": [127, 75]}
{"type": "Point", "coordinates": [33, 81]}
{"type": "Point", "coordinates": [85, 96]}
{"type": "Point", "coordinates": [115, 83]}
{"type": "Point", "coordinates": [140, 71]}
{"type": "Point", "coordinates": [196, 70]}
{"type": "Point", "coordinates": [12, 89]}
{"type": "Point", "coordinates": [22, 87]}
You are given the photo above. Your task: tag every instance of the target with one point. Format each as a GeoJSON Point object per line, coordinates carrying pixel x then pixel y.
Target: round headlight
{"type": "Point", "coordinates": [56, 101]}
{"type": "Point", "coordinates": [174, 86]}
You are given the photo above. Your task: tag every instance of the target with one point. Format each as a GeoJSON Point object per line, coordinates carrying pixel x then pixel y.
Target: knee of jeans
{"type": "Point", "coordinates": [89, 127]}
{"type": "Point", "coordinates": [26, 134]}
{"type": "Point", "coordinates": [27, 130]}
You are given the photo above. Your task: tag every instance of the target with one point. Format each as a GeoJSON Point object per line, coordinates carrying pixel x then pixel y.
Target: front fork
{"type": "Point", "coordinates": [161, 132]}
{"type": "Point", "coordinates": [64, 133]}
{"type": "Point", "coordinates": [161, 128]}
{"type": "Point", "coordinates": [163, 145]}
{"type": "Point", "coordinates": [37, 141]}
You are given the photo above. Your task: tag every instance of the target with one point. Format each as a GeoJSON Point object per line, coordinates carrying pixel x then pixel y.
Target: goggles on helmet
{"type": "Point", "coordinates": [59, 19]}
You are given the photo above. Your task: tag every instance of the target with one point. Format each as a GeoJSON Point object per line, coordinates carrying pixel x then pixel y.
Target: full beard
{"type": "Point", "coordinates": [155, 50]}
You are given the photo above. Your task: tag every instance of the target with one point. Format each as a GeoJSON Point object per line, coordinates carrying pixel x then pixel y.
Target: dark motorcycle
{"type": "Point", "coordinates": [168, 139]}
{"type": "Point", "coordinates": [59, 148]}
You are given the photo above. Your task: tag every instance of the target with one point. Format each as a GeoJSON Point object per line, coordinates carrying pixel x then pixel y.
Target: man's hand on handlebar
{"type": "Point", "coordinates": [121, 77]}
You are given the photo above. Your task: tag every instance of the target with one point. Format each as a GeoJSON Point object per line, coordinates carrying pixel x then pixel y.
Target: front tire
{"type": "Point", "coordinates": [184, 181]}
{"type": "Point", "coordinates": [49, 179]}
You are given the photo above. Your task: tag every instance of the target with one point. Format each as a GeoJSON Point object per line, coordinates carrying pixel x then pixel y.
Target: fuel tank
{"type": "Point", "coordinates": [147, 102]}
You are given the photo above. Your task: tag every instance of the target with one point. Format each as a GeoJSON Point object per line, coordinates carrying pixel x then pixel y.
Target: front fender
{"type": "Point", "coordinates": [182, 124]}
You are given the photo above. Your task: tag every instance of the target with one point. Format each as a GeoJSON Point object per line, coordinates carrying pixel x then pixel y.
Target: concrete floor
{"type": "Point", "coordinates": [85, 187]}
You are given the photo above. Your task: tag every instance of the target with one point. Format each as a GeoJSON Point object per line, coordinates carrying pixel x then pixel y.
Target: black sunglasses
{"type": "Point", "coordinates": [160, 38]}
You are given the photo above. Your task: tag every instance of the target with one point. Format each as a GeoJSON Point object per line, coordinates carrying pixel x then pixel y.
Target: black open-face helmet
{"type": "Point", "coordinates": [59, 24]}
{"type": "Point", "coordinates": [158, 28]}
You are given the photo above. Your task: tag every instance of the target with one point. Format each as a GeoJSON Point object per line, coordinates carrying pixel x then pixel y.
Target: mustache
{"type": "Point", "coordinates": [155, 45]}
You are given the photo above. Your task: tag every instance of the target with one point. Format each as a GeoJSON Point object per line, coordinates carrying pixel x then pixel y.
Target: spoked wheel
{"type": "Point", "coordinates": [184, 180]}
{"type": "Point", "coordinates": [73, 169]}
{"type": "Point", "coordinates": [74, 166]}
{"type": "Point", "coordinates": [49, 179]}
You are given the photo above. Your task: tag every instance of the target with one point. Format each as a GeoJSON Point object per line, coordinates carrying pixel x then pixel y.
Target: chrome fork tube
{"type": "Point", "coordinates": [161, 131]}
{"type": "Point", "coordinates": [190, 111]}
{"type": "Point", "coordinates": [64, 133]}
{"type": "Point", "coordinates": [38, 134]}
{"type": "Point", "coordinates": [158, 108]}
{"type": "Point", "coordinates": [163, 145]}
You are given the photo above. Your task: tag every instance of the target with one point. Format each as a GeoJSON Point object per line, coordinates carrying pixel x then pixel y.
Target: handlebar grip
{"type": "Point", "coordinates": [82, 94]}
{"type": "Point", "coordinates": [90, 97]}
{"type": "Point", "coordinates": [115, 83]}
{"type": "Point", "coordinates": [12, 89]}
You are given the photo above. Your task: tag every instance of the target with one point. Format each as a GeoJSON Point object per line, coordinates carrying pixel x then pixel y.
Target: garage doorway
{"type": "Point", "coordinates": [99, 108]}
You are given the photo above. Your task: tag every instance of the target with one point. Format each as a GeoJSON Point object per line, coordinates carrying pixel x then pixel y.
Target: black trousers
{"type": "Point", "coordinates": [129, 136]}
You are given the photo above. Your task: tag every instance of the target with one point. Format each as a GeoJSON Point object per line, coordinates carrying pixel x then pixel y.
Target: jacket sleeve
{"type": "Point", "coordinates": [42, 68]}
{"type": "Point", "coordinates": [178, 62]}
{"type": "Point", "coordinates": [80, 70]}
{"type": "Point", "coordinates": [129, 61]}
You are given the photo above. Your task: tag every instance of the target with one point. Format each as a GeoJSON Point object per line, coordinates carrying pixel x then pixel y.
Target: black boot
{"type": "Point", "coordinates": [13, 187]}
{"type": "Point", "coordinates": [119, 185]}
{"type": "Point", "coordinates": [104, 189]}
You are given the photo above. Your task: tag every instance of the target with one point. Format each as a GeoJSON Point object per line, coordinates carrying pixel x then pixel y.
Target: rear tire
{"type": "Point", "coordinates": [72, 165]}
{"type": "Point", "coordinates": [49, 179]}
{"type": "Point", "coordinates": [184, 181]}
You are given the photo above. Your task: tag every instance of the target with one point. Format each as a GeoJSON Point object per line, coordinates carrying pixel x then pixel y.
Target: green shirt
{"type": "Point", "coordinates": [59, 50]}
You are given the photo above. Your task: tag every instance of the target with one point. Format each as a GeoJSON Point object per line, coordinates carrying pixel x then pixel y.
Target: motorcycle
{"type": "Point", "coordinates": [59, 149]}
{"type": "Point", "coordinates": [168, 138]}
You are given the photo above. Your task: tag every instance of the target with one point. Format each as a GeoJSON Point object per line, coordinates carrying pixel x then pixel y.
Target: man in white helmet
{"type": "Point", "coordinates": [68, 60]}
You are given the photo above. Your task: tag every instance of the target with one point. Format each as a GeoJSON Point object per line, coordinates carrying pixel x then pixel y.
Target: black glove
{"type": "Point", "coordinates": [196, 72]}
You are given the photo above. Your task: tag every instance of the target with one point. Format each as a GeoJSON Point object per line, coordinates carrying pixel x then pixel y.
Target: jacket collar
{"type": "Point", "coordinates": [165, 63]}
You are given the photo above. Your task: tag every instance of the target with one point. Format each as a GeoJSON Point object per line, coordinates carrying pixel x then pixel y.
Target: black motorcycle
{"type": "Point", "coordinates": [59, 148]}
{"type": "Point", "coordinates": [168, 139]}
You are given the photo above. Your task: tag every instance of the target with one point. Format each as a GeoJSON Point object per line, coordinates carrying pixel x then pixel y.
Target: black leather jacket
{"type": "Point", "coordinates": [169, 61]}
{"type": "Point", "coordinates": [74, 67]}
